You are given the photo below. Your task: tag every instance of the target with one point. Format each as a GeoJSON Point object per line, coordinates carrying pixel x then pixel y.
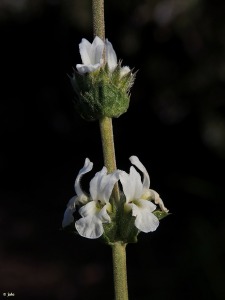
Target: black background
{"type": "Point", "coordinates": [175, 125]}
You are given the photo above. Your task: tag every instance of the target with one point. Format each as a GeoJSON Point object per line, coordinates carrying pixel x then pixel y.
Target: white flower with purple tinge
{"type": "Point", "coordinates": [92, 56]}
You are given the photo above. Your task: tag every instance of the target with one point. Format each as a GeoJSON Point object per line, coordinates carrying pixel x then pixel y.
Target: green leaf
{"type": "Point", "coordinates": [160, 214]}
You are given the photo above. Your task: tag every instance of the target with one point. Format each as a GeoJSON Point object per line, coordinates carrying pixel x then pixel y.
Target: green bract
{"type": "Point", "coordinates": [102, 93]}
{"type": "Point", "coordinates": [122, 226]}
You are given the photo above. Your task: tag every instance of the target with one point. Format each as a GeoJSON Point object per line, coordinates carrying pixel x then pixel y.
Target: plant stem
{"type": "Point", "coordinates": [105, 123]}
{"type": "Point", "coordinates": [120, 271]}
{"type": "Point", "coordinates": [106, 129]}
{"type": "Point", "coordinates": [98, 18]}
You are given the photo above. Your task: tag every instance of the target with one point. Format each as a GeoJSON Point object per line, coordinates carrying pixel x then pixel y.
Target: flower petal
{"type": "Point", "coordinates": [126, 184]}
{"type": "Point", "coordinates": [90, 226]}
{"type": "Point", "coordinates": [132, 186]}
{"type": "Point", "coordinates": [88, 165]}
{"type": "Point", "coordinates": [136, 183]}
{"type": "Point", "coordinates": [96, 50]}
{"type": "Point", "coordinates": [103, 215]}
{"type": "Point", "coordinates": [110, 56]}
{"type": "Point", "coordinates": [146, 182]}
{"type": "Point", "coordinates": [107, 184]}
{"type": "Point", "coordinates": [91, 55]}
{"type": "Point", "coordinates": [89, 209]}
{"type": "Point", "coordinates": [156, 198]}
{"type": "Point", "coordinates": [95, 184]}
{"type": "Point", "coordinates": [145, 220]}
{"type": "Point", "coordinates": [82, 69]}
{"type": "Point", "coordinates": [85, 51]}
{"type": "Point", "coordinates": [124, 71]}
{"type": "Point", "coordinates": [68, 215]}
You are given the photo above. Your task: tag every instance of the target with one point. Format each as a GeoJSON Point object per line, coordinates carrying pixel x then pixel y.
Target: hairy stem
{"type": "Point", "coordinates": [106, 130]}
{"type": "Point", "coordinates": [98, 18]}
{"type": "Point", "coordinates": [105, 123]}
{"type": "Point", "coordinates": [120, 271]}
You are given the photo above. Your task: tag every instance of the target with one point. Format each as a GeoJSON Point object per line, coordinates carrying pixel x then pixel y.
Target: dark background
{"type": "Point", "coordinates": [175, 125]}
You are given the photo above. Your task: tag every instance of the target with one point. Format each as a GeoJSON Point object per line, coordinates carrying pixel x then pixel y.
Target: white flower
{"type": "Point", "coordinates": [95, 212]}
{"type": "Point", "coordinates": [148, 193]}
{"type": "Point", "coordinates": [137, 193]}
{"type": "Point", "coordinates": [111, 59]}
{"type": "Point", "coordinates": [92, 56]}
{"type": "Point", "coordinates": [80, 197]}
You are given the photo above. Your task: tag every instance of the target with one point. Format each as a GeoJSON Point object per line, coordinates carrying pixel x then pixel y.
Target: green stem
{"type": "Point", "coordinates": [105, 123]}
{"type": "Point", "coordinates": [120, 271]}
{"type": "Point", "coordinates": [106, 130]}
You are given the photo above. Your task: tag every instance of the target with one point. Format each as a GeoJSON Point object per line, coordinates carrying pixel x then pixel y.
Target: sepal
{"type": "Point", "coordinates": [161, 214]}
{"type": "Point", "coordinates": [122, 226]}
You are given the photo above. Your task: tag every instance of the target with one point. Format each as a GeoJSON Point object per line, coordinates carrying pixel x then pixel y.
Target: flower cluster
{"type": "Point", "coordinates": [96, 208]}
{"type": "Point", "coordinates": [101, 84]}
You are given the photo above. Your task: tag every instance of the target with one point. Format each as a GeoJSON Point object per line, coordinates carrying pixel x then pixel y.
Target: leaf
{"type": "Point", "coordinates": [160, 214]}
